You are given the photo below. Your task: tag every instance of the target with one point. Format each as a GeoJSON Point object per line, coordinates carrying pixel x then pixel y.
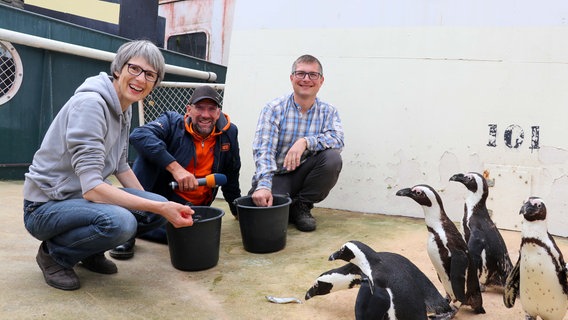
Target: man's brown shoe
{"type": "Point", "coordinates": [54, 274]}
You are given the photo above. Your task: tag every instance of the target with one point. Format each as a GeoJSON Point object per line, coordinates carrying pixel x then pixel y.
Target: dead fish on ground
{"type": "Point", "coordinates": [282, 300]}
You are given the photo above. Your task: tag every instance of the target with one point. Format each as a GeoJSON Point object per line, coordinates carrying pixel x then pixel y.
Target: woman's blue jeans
{"type": "Point", "coordinates": [75, 229]}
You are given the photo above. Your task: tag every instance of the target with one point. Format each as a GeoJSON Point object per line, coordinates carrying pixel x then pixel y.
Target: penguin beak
{"type": "Point", "coordinates": [459, 177]}
{"type": "Point", "coordinates": [319, 288]}
{"type": "Point", "coordinates": [334, 256]}
{"type": "Point", "coordinates": [527, 208]}
{"type": "Point", "coordinates": [406, 192]}
{"type": "Point", "coordinates": [523, 208]}
{"type": "Point", "coordinates": [533, 209]}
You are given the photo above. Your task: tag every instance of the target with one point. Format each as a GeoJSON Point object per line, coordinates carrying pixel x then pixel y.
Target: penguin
{"type": "Point", "coordinates": [447, 250]}
{"type": "Point", "coordinates": [390, 275]}
{"type": "Point", "coordinates": [486, 245]}
{"type": "Point", "coordinates": [369, 304]}
{"type": "Point", "coordinates": [345, 277]}
{"type": "Point", "coordinates": [539, 276]}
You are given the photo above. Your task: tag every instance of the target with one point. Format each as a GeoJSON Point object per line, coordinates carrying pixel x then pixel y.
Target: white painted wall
{"type": "Point", "coordinates": [417, 84]}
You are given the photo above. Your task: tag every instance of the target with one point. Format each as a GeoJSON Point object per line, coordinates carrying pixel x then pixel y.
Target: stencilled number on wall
{"type": "Point", "coordinates": [514, 136]}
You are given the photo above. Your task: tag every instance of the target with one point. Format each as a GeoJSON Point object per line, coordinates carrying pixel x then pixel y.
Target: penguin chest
{"type": "Point", "coordinates": [540, 291]}
{"type": "Point", "coordinates": [437, 256]}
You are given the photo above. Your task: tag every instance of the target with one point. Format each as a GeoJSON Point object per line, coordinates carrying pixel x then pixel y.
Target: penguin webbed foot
{"type": "Point", "coordinates": [479, 310]}
{"type": "Point", "coordinates": [476, 304]}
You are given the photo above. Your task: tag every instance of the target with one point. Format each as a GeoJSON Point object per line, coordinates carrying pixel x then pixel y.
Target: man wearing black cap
{"type": "Point", "coordinates": [182, 148]}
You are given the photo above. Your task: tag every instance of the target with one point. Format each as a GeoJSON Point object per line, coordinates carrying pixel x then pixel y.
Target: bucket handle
{"type": "Point", "coordinates": [285, 195]}
{"type": "Point", "coordinates": [195, 217]}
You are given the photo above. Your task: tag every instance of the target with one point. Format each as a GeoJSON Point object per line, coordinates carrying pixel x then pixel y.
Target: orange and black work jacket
{"type": "Point", "coordinates": [164, 140]}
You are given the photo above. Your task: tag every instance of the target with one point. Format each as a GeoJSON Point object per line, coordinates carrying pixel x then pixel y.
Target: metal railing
{"type": "Point", "coordinates": [59, 46]}
{"type": "Point", "coordinates": [170, 96]}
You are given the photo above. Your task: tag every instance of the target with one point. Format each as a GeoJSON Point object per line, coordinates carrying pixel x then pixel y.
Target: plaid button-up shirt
{"type": "Point", "coordinates": [281, 124]}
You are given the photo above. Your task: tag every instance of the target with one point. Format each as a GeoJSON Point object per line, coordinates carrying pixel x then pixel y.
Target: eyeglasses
{"type": "Point", "coordinates": [210, 108]}
{"type": "Point", "coordinates": [302, 75]}
{"type": "Point", "coordinates": [136, 70]}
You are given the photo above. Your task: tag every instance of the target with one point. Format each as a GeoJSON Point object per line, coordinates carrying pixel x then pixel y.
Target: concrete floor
{"type": "Point", "coordinates": [149, 287]}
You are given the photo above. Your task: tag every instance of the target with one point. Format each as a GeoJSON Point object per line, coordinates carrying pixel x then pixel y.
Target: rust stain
{"type": "Point", "coordinates": [185, 16]}
{"type": "Point", "coordinates": [213, 17]}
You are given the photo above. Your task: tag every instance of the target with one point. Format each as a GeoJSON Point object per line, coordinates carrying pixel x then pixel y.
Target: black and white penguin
{"type": "Point", "coordinates": [486, 245]}
{"type": "Point", "coordinates": [447, 250]}
{"type": "Point", "coordinates": [539, 277]}
{"type": "Point", "coordinates": [345, 277]}
{"type": "Point", "coordinates": [369, 304]}
{"type": "Point", "coordinates": [390, 275]}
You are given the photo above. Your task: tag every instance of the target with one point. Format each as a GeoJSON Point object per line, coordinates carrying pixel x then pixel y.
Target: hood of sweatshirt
{"type": "Point", "coordinates": [101, 85]}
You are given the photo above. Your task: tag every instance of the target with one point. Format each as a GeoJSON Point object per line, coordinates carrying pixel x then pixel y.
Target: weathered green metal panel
{"type": "Point", "coordinates": [50, 78]}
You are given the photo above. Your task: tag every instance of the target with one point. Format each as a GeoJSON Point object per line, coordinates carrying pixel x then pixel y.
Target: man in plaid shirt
{"type": "Point", "coordinates": [297, 146]}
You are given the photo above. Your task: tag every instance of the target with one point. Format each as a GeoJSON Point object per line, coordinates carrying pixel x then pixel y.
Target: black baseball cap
{"type": "Point", "coordinates": [205, 92]}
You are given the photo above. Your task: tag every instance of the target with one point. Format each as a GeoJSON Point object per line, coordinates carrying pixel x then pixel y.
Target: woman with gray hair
{"type": "Point", "coordinates": [68, 202]}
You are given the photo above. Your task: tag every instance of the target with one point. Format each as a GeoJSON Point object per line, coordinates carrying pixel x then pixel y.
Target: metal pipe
{"type": "Point", "coordinates": [14, 165]}
{"type": "Point", "coordinates": [173, 84]}
{"type": "Point", "coordinates": [59, 46]}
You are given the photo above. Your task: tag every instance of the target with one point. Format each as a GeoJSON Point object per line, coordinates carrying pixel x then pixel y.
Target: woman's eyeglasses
{"type": "Point", "coordinates": [136, 70]}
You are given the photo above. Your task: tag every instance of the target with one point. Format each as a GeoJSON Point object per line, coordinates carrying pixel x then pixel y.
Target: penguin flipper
{"type": "Point", "coordinates": [512, 285]}
{"type": "Point", "coordinates": [372, 305]}
{"type": "Point", "coordinates": [458, 269]}
{"type": "Point", "coordinates": [476, 245]}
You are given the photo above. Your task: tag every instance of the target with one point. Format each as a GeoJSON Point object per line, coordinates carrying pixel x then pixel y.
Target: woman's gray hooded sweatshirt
{"type": "Point", "coordinates": [86, 143]}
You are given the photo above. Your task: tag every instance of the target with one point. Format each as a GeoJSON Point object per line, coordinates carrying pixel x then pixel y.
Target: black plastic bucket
{"type": "Point", "coordinates": [263, 229]}
{"type": "Point", "coordinates": [197, 247]}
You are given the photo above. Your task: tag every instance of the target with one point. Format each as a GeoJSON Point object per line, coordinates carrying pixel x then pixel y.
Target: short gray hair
{"type": "Point", "coordinates": [143, 49]}
{"type": "Point", "coordinates": [307, 59]}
